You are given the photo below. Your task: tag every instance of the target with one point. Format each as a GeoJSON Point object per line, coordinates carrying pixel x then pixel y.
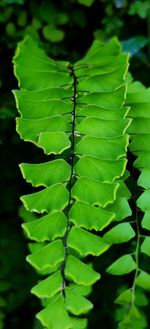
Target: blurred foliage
{"type": "Point", "coordinates": [66, 29]}
{"type": "Point", "coordinates": [141, 8]}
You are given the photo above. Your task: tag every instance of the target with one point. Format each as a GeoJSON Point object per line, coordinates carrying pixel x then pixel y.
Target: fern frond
{"type": "Point", "coordinates": [76, 112]}
{"type": "Point", "coordinates": [138, 98]}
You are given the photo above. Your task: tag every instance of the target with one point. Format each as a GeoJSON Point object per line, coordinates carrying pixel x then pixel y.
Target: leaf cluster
{"type": "Point", "coordinates": [81, 114]}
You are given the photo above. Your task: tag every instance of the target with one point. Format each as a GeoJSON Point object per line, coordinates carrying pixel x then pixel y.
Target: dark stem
{"type": "Point", "coordinates": [70, 183]}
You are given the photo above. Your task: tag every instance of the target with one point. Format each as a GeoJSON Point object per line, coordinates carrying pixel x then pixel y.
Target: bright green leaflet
{"type": "Point", "coordinates": [77, 114]}
{"type": "Point", "coordinates": [138, 98]}
{"type": "Point", "coordinates": [123, 265]}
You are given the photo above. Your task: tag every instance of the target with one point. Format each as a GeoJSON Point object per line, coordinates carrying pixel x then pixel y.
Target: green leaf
{"type": "Point", "coordinates": [100, 170]}
{"type": "Point", "coordinates": [143, 280]}
{"type": "Point", "coordinates": [98, 112]}
{"type": "Point", "coordinates": [145, 247]}
{"type": "Point", "coordinates": [140, 126]}
{"type": "Point", "coordinates": [120, 233]}
{"type": "Point", "coordinates": [30, 130]}
{"type": "Point", "coordinates": [80, 289]}
{"type": "Point", "coordinates": [52, 34]}
{"type": "Point", "coordinates": [100, 53]}
{"type": "Point", "coordinates": [48, 287]}
{"type": "Point", "coordinates": [137, 107]}
{"type": "Point", "coordinates": [143, 201]}
{"type": "Point", "coordinates": [89, 217]}
{"type": "Point", "coordinates": [142, 160]}
{"type": "Point", "coordinates": [93, 192]}
{"type": "Point", "coordinates": [86, 276]}
{"type": "Point", "coordinates": [51, 198]}
{"type": "Point", "coordinates": [144, 178]}
{"type": "Point", "coordinates": [35, 246]}
{"type": "Point", "coordinates": [53, 142]}
{"type": "Point", "coordinates": [123, 191]}
{"type": "Point", "coordinates": [101, 82]}
{"type": "Point", "coordinates": [110, 100]}
{"type": "Point", "coordinates": [48, 227]}
{"type": "Point", "coordinates": [44, 103]}
{"type": "Point", "coordinates": [133, 319]}
{"type": "Point", "coordinates": [49, 257]}
{"type": "Point", "coordinates": [26, 215]}
{"type": "Point", "coordinates": [62, 18]}
{"type": "Point", "coordinates": [86, 243]}
{"type": "Point", "coordinates": [124, 298]}
{"type": "Point", "coordinates": [38, 64]}
{"type": "Point", "coordinates": [140, 8]}
{"type": "Point", "coordinates": [78, 323]}
{"type": "Point", "coordinates": [55, 315]}
{"type": "Point", "coordinates": [104, 148]}
{"type": "Point", "coordinates": [140, 143]}
{"type": "Point", "coordinates": [120, 208]}
{"type": "Point", "coordinates": [140, 297]}
{"type": "Point", "coordinates": [102, 128]}
{"type": "Point", "coordinates": [146, 220]}
{"type": "Point", "coordinates": [76, 303]}
{"type": "Point", "coordinates": [47, 173]}
{"type": "Point", "coordinates": [136, 91]}
{"type": "Point", "coordinates": [116, 62]}
{"type": "Point", "coordinates": [123, 265]}
{"type": "Point", "coordinates": [28, 77]}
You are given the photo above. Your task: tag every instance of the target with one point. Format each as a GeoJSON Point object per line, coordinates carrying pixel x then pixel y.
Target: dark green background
{"type": "Point", "coordinates": [66, 29]}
